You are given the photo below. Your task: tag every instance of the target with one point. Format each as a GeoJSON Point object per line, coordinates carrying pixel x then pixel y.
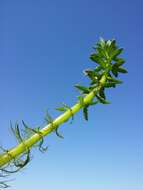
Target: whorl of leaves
{"type": "Point", "coordinates": [18, 163]}
{"type": "Point", "coordinates": [21, 134]}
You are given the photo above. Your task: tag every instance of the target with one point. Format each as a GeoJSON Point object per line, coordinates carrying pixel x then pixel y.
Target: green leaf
{"type": "Point", "coordinates": [109, 85]}
{"type": "Point", "coordinates": [119, 61]}
{"type": "Point", "coordinates": [41, 148]}
{"type": "Point", "coordinates": [108, 43]}
{"type": "Point", "coordinates": [16, 132]}
{"type": "Point", "coordinates": [101, 52]}
{"type": "Point", "coordinates": [116, 53]}
{"type": "Point", "coordinates": [31, 131]}
{"type": "Point", "coordinates": [58, 134]}
{"type": "Point", "coordinates": [102, 93]}
{"type": "Point", "coordinates": [102, 100]}
{"type": "Point", "coordinates": [97, 69]}
{"type": "Point", "coordinates": [122, 70]}
{"type": "Point", "coordinates": [114, 80]}
{"type": "Point", "coordinates": [84, 89]}
{"type": "Point", "coordinates": [110, 46]}
{"type": "Point", "coordinates": [90, 74]}
{"type": "Point", "coordinates": [115, 71]}
{"type": "Point", "coordinates": [68, 108]}
{"type": "Point", "coordinates": [102, 42]}
{"type": "Point", "coordinates": [48, 118]}
{"type": "Point", "coordinates": [85, 113]}
{"type": "Point", "coordinates": [61, 109]}
{"type": "Point", "coordinates": [96, 58]}
{"type": "Point", "coordinates": [113, 45]}
{"type": "Point", "coordinates": [28, 131]}
{"type": "Point", "coordinates": [21, 163]}
{"type": "Point", "coordinates": [94, 103]}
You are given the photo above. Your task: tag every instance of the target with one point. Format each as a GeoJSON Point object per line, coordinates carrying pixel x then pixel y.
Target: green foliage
{"type": "Point", "coordinates": [64, 108]}
{"type": "Point", "coordinates": [106, 55]}
{"type": "Point", "coordinates": [109, 65]}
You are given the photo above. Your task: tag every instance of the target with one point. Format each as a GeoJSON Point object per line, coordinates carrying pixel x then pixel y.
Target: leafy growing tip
{"type": "Point", "coordinates": [109, 65]}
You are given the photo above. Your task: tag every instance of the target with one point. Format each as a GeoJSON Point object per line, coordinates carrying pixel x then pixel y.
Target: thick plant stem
{"type": "Point", "coordinates": [28, 143]}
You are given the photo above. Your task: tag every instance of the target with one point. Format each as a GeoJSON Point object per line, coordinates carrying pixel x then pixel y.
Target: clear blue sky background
{"type": "Point", "coordinates": [44, 46]}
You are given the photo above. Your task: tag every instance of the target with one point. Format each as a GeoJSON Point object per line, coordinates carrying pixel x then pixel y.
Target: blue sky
{"type": "Point", "coordinates": [44, 46]}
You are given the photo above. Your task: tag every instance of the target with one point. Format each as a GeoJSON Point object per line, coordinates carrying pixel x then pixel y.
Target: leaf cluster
{"type": "Point", "coordinates": [109, 64]}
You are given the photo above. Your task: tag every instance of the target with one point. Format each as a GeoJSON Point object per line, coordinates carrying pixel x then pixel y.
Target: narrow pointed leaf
{"type": "Point", "coordinates": [111, 79]}
{"type": "Point", "coordinates": [115, 71]}
{"type": "Point", "coordinates": [109, 85]}
{"type": "Point", "coordinates": [85, 113]}
{"type": "Point", "coordinates": [61, 109]}
{"type": "Point", "coordinates": [102, 100]}
{"type": "Point", "coordinates": [94, 57]}
{"type": "Point", "coordinates": [94, 103]}
{"type": "Point", "coordinates": [102, 94]}
{"type": "Point", "coordinates": [98, 68]}
{"type": "Point", "coordinates": [82, 88]}
{"type": "Point", "coordinates": [122, 70]}
{"type": "Point", "coordinates": [119, 61]}
{"type": "Point", "coordinates": [116, 53]}
{"type": "Point", "coordinates": [58, 134]}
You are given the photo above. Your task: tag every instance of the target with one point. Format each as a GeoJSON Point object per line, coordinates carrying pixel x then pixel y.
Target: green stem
{"type": "Point", "coordinates": [28, 143]}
